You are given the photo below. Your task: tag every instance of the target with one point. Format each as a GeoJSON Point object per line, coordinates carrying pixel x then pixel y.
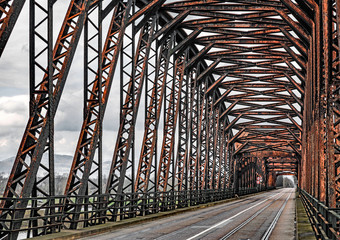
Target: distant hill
{"type": "Point", "coordinates": [62, 169]}
{"type": "Point", "coordinates": [62, 165]}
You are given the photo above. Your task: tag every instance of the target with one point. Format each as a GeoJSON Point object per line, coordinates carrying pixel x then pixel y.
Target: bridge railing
{"type": "Point", "coordinates": [325, 221]}
{"type": "Point", "coordinates": [45, 215]}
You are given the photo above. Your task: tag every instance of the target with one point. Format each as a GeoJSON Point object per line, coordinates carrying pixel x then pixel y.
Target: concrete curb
{"type": "Point", "coordinates": [304, 230]}
{"type": "Point", "coordinates": [110, 226]}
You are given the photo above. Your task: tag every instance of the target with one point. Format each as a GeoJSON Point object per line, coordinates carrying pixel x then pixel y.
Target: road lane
{"type": "Point", "coordinates": [222, 223]}
{"type": "Point", "coordinates": [248, 218]}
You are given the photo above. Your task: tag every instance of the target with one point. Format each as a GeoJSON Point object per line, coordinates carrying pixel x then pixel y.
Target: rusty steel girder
{"type": "Point", "coordinates": [172, 103]}
{"type": "Point", "coordinates": [148, 152]}
{"type": "Point", "coordinates": [230, 92]}
{"type": "Point", "coordinates": [95, 109]}
{"type": "Point", "coordinates": [9, 13]}
{"type": "Point", "coordinates": [22, 180]}
{"type": "Point", "coordinates": [334, 106]}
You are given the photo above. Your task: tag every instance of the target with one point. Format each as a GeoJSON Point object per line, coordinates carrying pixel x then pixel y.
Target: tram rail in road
{"type": "Point", "coordinates": [269, 215]}
{"type": "Point", "coordinates": [229, 234]}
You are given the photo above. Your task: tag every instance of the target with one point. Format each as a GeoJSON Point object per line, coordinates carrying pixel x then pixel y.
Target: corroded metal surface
{"type": "Point", "coordinates": [234, 91]}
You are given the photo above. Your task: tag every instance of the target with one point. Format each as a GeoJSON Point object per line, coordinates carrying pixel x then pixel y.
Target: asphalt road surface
{"type": "Point", "coordinates": [269, 215]}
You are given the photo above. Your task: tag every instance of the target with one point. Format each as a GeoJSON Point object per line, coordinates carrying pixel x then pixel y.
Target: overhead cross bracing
{"type": "Point", "coordinates": [228, 91]}
{"type": "Point", "coordinates": [261, 69]}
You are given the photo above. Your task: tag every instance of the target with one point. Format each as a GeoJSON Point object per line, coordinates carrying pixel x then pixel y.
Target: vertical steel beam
{"type": "Point", "coordinates": [225, 157]}
{"type": "Point", "coordinates": [336, 104]}
{"type": "Point", "coordinates": [93, 70]}
{"type": "Point", "coordinates": [93, 67]}
{"type": "Point", "coordinates": [172, 103]}
{"type": "Point", "coordinates": [89, 136]}
{"type": "Point", "coordinates": [40, 54]}
{"type": "Point", "coordinates": [202, 161]}
{"type": "Point", "coordinates": [27, 163]}
{"type": "Point", "coordinates": [327, 15]}
{"type": "Point", "coordinates": [121, 176]}
{"type": "Point", "coordinates": [181, 166]}
{"type": "Point", "coordinates": [194, 136]}
{"type": "Point", "coordinates": [210, 145]}
{"type": "Point", "coordinates": [218, 149]}
{"type": "Point", "coordinates": [154, 99]}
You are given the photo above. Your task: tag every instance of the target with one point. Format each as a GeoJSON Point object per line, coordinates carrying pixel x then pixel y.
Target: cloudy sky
{"type": "Point", "coordinates": [14, 88]}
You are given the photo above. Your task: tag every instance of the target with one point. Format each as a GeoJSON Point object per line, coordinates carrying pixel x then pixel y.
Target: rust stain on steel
{"type": "Point", "coordinates": [247, 91]}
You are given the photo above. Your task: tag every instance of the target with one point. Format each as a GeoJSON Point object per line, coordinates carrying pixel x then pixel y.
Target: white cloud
{"type": "Point", "coordinates": [14, 99]}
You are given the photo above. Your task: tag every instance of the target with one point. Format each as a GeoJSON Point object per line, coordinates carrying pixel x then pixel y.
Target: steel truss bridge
{"type": "Point", "coordinates": [231, 91]}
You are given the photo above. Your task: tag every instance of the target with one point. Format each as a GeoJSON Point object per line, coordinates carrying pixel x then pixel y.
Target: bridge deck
{"type": "Point", "coordinates": [269, 215]}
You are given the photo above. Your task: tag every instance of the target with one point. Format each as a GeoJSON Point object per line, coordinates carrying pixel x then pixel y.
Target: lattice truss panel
{"type": "Point", "coordinates": [225, 90]}
{"type": "Point", "coordinates": [335, 96]}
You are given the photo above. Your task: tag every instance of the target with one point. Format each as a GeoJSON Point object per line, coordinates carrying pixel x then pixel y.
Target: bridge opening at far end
{"type": "Point", "coordinates": [286, 180]}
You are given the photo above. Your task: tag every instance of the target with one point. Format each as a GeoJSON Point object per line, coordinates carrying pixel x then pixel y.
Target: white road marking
{"type": "Point", "coordinates": [228, 219]}
{"type": "Point", "coordinates": [249, 219]}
